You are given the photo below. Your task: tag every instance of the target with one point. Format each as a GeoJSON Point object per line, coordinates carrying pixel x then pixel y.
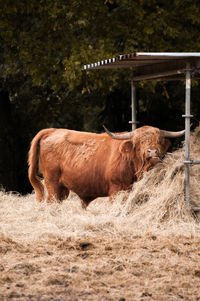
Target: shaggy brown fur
{"type": "Point", "coordinates": [91, 165]}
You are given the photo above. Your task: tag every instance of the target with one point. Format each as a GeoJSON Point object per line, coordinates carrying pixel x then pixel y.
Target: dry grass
{"type": "Point", "coordinates": [145, 246]}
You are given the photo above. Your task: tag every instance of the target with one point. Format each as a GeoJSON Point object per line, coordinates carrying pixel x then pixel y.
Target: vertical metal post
{"type": "Point", "coordinates": [187, 132]}
{"type": "Point", "coordinates": [133, 106]}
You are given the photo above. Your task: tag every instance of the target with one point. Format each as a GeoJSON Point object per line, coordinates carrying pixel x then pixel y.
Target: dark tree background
{"type": "Point", "coordinates": [43, 47]}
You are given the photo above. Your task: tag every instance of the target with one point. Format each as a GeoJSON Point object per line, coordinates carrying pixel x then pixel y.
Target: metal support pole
{"type": "Point", "coordinates": [133, 106]}
{"type": "Point", "coordinates": [187, 132]}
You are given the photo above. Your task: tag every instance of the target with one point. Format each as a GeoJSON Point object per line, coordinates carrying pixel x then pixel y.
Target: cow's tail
{"type": "Point", "coordinates": [32, 162]}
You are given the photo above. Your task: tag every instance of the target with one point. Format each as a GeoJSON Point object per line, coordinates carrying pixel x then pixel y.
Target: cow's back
{"type": "Point", "coordinates": [80, 158]}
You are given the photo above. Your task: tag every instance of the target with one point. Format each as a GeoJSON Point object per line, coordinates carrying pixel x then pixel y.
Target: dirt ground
{"type": "Point", "coordinates": [101, 268]}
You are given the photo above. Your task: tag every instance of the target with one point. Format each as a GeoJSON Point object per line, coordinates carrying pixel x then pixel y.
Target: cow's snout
{"type": "Point", "coordinates": [153, 155]}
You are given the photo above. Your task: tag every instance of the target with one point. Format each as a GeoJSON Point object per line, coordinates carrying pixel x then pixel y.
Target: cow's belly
{"type": "Point", "coordinates": [86, 186]}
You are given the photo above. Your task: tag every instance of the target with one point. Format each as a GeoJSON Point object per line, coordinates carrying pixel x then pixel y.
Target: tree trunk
{"type": "Point", "coordinates": [9, 148]}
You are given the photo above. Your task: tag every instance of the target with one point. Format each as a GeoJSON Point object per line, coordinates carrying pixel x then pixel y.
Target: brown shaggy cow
{"type": "Point", "coordinates": [93, 165]}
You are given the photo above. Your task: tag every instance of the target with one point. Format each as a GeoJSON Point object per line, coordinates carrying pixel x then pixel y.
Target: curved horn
{"type": "Point", "coordinates": [168, 134]}
{"type": "Point", "coordinates": [120, 136]}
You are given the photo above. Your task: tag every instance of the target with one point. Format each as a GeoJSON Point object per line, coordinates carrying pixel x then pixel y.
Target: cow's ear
{"type": "Point", "coordinates": [166, 145]}
{"type": "Point", "coordinates": [126, 147]}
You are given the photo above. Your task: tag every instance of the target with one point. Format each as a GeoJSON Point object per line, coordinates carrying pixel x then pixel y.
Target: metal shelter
{"type": "Point", "coordinates": [160, 66]}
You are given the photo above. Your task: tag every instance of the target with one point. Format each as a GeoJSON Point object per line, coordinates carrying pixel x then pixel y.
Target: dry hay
{"type": "Point", "coordinates": [144, 246]}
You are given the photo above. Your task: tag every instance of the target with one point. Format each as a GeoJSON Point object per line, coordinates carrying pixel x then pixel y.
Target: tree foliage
{"type": "Point", "coordinates": [44, 45]}
{"type": "Point", "coordinates": [51, 40]}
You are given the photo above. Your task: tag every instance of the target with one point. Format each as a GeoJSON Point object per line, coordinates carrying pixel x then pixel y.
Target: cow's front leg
{"type": "Point", "coordinates": [114, 189]}
{"type": "Point", "coordinates": [85, 202]}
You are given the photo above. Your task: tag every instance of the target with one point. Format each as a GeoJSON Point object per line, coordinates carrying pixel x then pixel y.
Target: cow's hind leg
{"type": "Point", "coordinates": [56, 191]}
{"type": "Point", "coordinates": [63, 193]}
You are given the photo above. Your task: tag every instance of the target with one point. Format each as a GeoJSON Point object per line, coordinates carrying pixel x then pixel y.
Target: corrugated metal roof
{"type": "Point", "coordinates": [152, 65]}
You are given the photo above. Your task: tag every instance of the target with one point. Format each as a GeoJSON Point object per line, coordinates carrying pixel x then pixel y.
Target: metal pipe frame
{"type": "Point", "coordinates": [133, 106]}
{"type": "Point", "coordinates": [188, 161]}
{"type": "Point", "coordinates": [187, 117]}
{"type": "Point", "coordinates": [192, 162]}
